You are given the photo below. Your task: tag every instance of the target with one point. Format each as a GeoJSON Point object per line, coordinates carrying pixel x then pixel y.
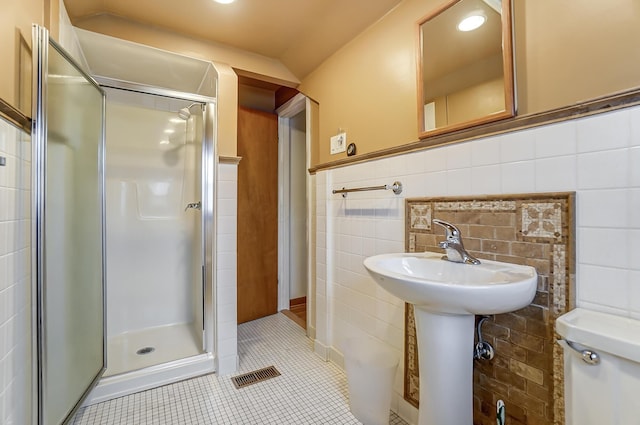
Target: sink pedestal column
{"type": "Point", "coordinates": [445, 353]}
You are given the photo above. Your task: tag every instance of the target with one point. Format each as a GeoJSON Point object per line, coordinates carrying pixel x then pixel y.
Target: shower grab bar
{"type": "Point", "coordinates": [588, 356]}
{"type": "Point", "coordinates": [396, 187]}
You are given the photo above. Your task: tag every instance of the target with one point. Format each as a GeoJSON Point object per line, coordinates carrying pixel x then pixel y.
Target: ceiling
{"type": "Point", "coordinates": [299, 33]}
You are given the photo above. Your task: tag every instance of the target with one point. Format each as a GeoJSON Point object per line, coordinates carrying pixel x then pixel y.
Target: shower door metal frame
{"type": "Point", "coordinates": [208, 176]}
{"type": "Point", "coordinates": [41, 43]}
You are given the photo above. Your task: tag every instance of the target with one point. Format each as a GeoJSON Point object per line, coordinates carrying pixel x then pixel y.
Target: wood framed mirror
{"type": "Point", "coordinates": [465, 78]}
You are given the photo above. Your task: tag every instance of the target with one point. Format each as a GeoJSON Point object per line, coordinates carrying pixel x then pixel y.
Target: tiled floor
{"type": "Point", "coordinates": [309, 390]}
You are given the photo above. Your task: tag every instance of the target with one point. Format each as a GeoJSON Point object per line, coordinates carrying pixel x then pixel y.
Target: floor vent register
{"type": "Point", "coordinates": [256, 376]}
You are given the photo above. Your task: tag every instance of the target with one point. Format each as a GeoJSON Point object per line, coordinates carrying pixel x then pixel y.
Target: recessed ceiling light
{"type": "Point", "coordinates": [472, 22]}
{"type": "Point", "coordinates": [224, 1]}
{"type": "Point", "coordinates": [169, 131]}
{"type": "Point", "coordinates": [164, 142]}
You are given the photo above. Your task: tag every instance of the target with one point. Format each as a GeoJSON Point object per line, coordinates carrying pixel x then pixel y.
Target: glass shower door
{"type": "Point", "coordinates": [68, 208]}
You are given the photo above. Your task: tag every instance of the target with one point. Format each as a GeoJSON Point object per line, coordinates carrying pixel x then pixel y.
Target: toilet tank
{"type": "Point", "coordinates": [607, 392]}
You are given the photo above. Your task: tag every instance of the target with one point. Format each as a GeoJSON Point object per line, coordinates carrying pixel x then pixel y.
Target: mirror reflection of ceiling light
{"type": "Point", "coordinates": [224, 1]}
{"type": "Point", "coordinates": [164, 142]}
{"type": "Point", "coordinates": [472, 22]}
{"type": "Point", "coordinates": [176, 120]}
{"type": "Point", "coordinates": [169, 131]}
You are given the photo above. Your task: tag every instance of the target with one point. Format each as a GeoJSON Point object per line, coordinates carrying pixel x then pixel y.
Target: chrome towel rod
{"type": "Point", "coordinates": [396, 187]}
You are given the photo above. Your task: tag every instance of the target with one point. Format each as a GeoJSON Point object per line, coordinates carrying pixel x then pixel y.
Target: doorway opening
{"type": "Point", "coordinates": [295, 195]}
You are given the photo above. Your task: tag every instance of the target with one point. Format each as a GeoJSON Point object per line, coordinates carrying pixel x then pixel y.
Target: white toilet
{"type": "Point", "coordinates": [601, 367]}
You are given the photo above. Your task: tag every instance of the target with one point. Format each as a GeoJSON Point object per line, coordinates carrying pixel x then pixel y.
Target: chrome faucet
{"type": "Point", "coordinates": [453, 244]}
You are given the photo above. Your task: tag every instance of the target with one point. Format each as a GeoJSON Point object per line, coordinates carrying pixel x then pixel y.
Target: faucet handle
{"type": "Point", "coordinates": [451, 230]}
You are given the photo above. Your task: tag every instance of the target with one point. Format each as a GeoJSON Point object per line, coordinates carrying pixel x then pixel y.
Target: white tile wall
{"type": "Point", "coordinates": [598, 157]}
{"type": "Point", "coordinates": [226, 334]}
{"type": "Point", "coordinates": [15, 271]}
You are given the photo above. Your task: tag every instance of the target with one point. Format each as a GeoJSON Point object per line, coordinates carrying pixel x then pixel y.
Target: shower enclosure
{"type": "Point", "coordinates": [160, 162]}
{"type": "Point", "coordinates": [123, 225]}
{"type": "Point", "coordinates": [154, 262]}
{"type": "Point", "coordinates": [158, 165]}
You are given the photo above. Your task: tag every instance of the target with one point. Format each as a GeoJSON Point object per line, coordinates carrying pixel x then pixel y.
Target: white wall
{"type": "Point", "coordinates": [598, 157]}
{"type": "Point", "coordinates": [298, 208]}
{"type": "Point", "coordinates": [15, 276]}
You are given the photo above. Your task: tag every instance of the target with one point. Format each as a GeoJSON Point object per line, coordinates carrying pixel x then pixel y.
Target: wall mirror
{"type": "Point", "coordinates": [465, 76]}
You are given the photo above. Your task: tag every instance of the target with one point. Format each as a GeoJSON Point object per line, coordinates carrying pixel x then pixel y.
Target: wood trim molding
{"type": "Point", "coordinates": [235, 160]}
{"type": "Point", "coordinates": [15, 116]}
{"type": "Point", "coordinates": [595, 106]}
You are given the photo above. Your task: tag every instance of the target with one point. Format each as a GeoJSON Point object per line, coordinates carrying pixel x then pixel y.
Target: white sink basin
{"type": "Point", "coordinates": [447, 296]}
{"type": "Point", "coordinates": [440, 286]}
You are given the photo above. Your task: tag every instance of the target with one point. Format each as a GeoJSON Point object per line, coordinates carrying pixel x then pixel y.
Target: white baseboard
{"type": "Point", "coordinates": [321, 350]}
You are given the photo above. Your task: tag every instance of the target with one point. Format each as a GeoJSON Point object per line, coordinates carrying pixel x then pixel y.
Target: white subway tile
{"type": "Point", "coordinates": [459, 182]}
{"type": "Point", "coordinates": [227, 190]}
{"type": "Point", "coordinates": [6, 241]}
{"type": "Point", "coordinates": [228, 207]}
{"type": "Point", "coordinates": [459, 156]}
{"type": "Point", "coordinates": [4, 282]}
{"type": "Point", "coordinates": [227, 172]}
{"type": "Point", "coordinates": [604, 131]}
{"type": "Point", "coordinates": [633, 209]}
{"type": "Point", "coordinates": [517, 146]}
{"type": "Point", "coordinates": [634, 166]}
{"type": "Point", "coordinates": [389, 334]}
{"type": "Point", "coordinates": [416, 162]}
{"type": "Point", "coordinates": [634, 118]}
{"type": "Point", "coordinates": [226, 260]}
{"type": "Point", "coordinates": [391, 168]}
{"type": "Point", "coordinates": [604, 208]}
{"type": "Point", "coordinates": [601, 170]}
{"type": "Point", "coordinates": [634, 249]}
{"type": "Point", "coordinates": [556, 139]}
{"type": "Point", "coordinates": [634, 292]}
{"type": "Point", "coordinates": [605, 286]}
{"type": "Point", "coordinates": [392, 230]}
{"type": "Point", "coordinates": [485, 151]}
{"type": "Point", "coordinates": [226, 224]}
{"type": "Point", "coordinates": [357, 245]}
{"type": "Point", "coordinates": [605, 247]}
{"type": "Point", "coordinates": [436, 160]}
{"type": "Point", "coordinates": [435, 184]}
{"type": "Point", "coordinates": [518, 177]}
{"type": "Point", "coordinates": [556, 174]}
{"type": "Point", "coordinates": [227, 242]}
{"type": "Point", "coordinates": [485, 180]}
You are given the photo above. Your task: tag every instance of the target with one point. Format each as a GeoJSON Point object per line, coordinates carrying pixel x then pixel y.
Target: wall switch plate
{"type": "Point", "coordinates": [338, 143]}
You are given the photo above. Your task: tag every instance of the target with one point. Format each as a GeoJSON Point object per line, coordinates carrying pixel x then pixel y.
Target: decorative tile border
{"type": "Point", "coordinates": [420, 216]}
{"type": "Point", "coordinates": [532, 229]}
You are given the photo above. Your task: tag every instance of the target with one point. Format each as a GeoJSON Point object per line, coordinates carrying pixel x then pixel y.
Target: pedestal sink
{"type": "Point", "coordinates": [446, 297]}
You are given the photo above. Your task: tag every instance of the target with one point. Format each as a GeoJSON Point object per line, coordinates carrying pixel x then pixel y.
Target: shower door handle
{"type": "Point", "coordinates": [194, 205]}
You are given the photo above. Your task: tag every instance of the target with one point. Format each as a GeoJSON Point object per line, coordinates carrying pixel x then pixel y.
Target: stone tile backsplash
{"type": "Point", "coordinates": [535, 230]}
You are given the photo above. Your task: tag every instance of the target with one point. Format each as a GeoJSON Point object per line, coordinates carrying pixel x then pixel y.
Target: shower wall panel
{"type": "Point", "coordinates": [153, 244]}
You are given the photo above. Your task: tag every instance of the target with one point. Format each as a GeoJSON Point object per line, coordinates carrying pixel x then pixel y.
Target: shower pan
{"type": "Point", "coordinates": [159, 230]}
